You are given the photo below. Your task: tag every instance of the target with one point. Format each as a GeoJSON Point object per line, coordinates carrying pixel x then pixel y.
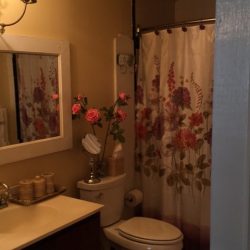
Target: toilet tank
{"type": "Point", "coordinates": [110, 193]}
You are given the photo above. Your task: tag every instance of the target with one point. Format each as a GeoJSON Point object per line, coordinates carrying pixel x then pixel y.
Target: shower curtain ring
{"type": "Point", "coordinates": [202, 26]}
{"type": "Point", "coordinates": [157, 32]}
{"type": "Point", "coordinates": [184, 29]}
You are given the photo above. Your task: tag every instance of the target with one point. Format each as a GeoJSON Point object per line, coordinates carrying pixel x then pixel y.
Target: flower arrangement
{"type": "Point", "coordinates": [113, 115]}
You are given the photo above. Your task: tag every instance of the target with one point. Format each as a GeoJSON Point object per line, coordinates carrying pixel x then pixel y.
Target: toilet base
{"type": "Point", "coordinates": [106, 244]}
{"type": "Point", "coordinates": [122, 243]}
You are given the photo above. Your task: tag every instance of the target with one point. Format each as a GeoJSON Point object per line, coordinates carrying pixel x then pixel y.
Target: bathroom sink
{"type": "Point", "coordinates": [17, 219]}
{"type": "Point", "coordinates": [22, 226]}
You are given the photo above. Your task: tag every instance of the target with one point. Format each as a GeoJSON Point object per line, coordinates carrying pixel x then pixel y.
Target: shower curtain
{"type": "Point", "coordinates": [173, 129]}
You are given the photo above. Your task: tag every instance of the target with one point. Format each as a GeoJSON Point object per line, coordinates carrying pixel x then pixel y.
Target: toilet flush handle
{"type": "Point", "coordinates": [99, 195]}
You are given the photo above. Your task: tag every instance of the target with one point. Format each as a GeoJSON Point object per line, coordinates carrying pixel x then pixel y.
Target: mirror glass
{"type": "Point", "coordinates": [28, 97]}
{"type": "Point", "coordinates": [35, 97]}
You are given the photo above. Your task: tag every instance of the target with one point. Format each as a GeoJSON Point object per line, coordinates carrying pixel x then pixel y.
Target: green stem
{"type": "Point", "coordinates": [93, 129]}
{"type": "Point", "coordinates": [107, 133]}
{"type": "Point", "coordinates": [105, 141]}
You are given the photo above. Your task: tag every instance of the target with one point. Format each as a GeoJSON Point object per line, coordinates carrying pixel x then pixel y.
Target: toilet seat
{"type": "Point", "coordinates": [113, 234]}
{"type": "Point", "coordinates": [149, 231]}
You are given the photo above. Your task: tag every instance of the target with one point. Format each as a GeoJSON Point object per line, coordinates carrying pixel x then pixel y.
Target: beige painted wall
{"type": "Point", "coordinates": [7, 95]}
{"type": "Point", "coordinates": [186, 10]}
{"type": "Point", "coordinates": [152, 13]}
{"type": "Point", "coordinates": [89, 26]}
{"type": "Point", "coordinates": [159, 12]}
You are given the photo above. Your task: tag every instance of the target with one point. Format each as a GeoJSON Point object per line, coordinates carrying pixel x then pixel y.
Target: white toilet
{"type": "Point", "coordinates": [137, 233]}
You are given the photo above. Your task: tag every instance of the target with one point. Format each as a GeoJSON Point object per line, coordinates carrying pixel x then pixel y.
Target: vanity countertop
{"type": "Point", "coordinates": [22, 226]}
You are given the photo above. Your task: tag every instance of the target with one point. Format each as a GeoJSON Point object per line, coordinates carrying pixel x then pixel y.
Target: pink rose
{"type": "Point", "coordinates": [196, 119]}
{"type": "Point", "coordinates": [123, 97]}
{"type": "Point", "coordinates": [120, 115]}
{"type": "Point", "coordinates": [184, 138]}
{"type": "Point", "coordinates": [76, 108]}
{"type": "Point", "coordinates": [79, 97]}
{"type": "Point", "coordinates": [93, 115]}
{"type": "Point", "coordinates": [55, 96]}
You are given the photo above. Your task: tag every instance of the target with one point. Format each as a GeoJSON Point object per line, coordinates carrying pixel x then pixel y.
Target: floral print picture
{"type": "Point", "coordinates": [37, 84]}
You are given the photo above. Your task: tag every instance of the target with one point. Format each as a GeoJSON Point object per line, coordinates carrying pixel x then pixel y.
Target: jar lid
{"type": "Point", "coordinates": [38, 178]}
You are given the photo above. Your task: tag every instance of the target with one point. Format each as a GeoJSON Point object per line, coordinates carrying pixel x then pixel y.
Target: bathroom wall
{"type": "Point", "coordinates": [151, 13]}
{"type": "Point", "coordinates": [159, 12]}
{"type": "Point", "coordinates": [7, 96]}
{"type": "Point", "coordinates": [186, 10]}
{"type": "Point", "coordinates": [90, 26]}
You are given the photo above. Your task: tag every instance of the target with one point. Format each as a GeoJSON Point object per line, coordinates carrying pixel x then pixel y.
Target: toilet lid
{"type": "Point", "coordinates": [143, 229]}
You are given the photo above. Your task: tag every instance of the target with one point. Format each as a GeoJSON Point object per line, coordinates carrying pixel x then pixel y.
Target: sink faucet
{"type": "Point", "coordinates": [4, 195]}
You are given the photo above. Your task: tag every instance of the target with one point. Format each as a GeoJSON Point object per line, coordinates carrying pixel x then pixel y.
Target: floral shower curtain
{"type": "Point", "coordinates": [37, 84]}
{"type": "Point", "coordinates": [173, 128]}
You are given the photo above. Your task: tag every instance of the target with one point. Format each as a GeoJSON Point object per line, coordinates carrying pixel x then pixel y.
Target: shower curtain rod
{"type": "Point", "coordinates": [175, 25]}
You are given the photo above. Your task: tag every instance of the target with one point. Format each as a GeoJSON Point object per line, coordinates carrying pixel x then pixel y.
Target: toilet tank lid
{"type": "Point", "coordinates": [105, 183]}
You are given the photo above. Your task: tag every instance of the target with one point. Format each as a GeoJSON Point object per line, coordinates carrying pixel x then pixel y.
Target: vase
{"type": "Point", "coordinates": [94, 172]}
{"type": "Point", "coordinates": [101, 168]}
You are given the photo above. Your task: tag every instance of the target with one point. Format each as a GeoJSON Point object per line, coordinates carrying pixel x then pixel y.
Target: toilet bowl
{"type": "Point", "coordinates": [171, 239]}
{"type": "Point", "coordinates": [136, 233]}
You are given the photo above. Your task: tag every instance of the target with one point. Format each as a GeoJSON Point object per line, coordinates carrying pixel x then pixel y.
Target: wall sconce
{"type": "Point", "coordinates": [3, 25]}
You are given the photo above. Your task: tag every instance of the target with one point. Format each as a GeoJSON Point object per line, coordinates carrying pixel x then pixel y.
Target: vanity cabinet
{"type": "Point", "coordinates": [83, 235]}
